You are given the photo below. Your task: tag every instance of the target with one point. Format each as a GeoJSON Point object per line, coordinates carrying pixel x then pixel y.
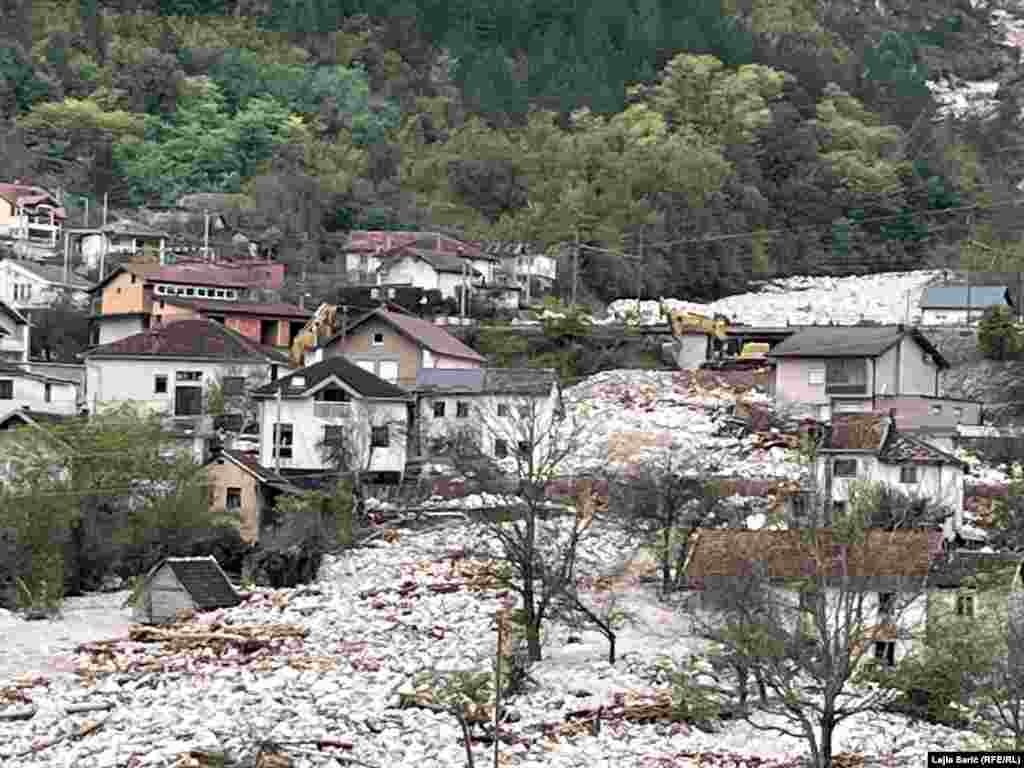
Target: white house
{"type": "Point", "coordinates": [119, 238]}
{"type": "Point", "coordinates": [869, 448]}
{"type": "Point", "coordinates": [27, 285]}
{"type": "Point", "coordinates": [498, 406]}
{"type": "Point", "coordinates": [961, 304]}
{"type": "Point", "coordinates": [334, 406]}
{"type": "Point", "coordinates": [21, 389]}
{"type": "Point", "coordinates": [430, 270]}
{"type": "Point", "coordinates": [886, 574]}
{"type": "Point", "coordinates": [170, 369]}
{"type": "Point", "coordinates": [14, 334]}
{"type": "Point", "coordinates": [366, 250]}
{"type": "Point", "coordinates": [30, 215]}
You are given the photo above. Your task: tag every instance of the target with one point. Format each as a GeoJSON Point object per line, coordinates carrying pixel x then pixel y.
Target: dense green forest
{"type": "Point", "coordinates": [689, 147]}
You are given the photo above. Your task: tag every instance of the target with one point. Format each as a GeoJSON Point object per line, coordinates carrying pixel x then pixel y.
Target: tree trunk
{"type": "Point", "coordinates": [611, 648]}
{"type": "Point", "coordinates": [533, 640]}
{"type": "Point", "coordinates": [666, 560]}
{"type": "Point", "coordinates": [825, 747]}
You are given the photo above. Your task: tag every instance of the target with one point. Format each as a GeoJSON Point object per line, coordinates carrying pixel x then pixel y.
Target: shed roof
{"type": "Point", "coordinates": [787, 555]}
{"type": "Point", "coordinates": [203, 579]}
{"type": "Point", "coordinates": [337, 366]}
{"type": "Point", "coordinates": [851, 341]}
{"type": "Point", "coordinates": [957, 297]}
{"type": "Point", "coordinates": [269, 309]}
{"type": "Point", "coordinates": [199, 339]}
{"type": "Point", "coordinates": [424, 333]}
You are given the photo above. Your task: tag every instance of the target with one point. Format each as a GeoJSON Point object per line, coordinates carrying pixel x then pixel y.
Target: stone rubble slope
{"type": "Point", "coordinates": [377, 617]}
{"type": "Point", "coordinates": [883, 297]}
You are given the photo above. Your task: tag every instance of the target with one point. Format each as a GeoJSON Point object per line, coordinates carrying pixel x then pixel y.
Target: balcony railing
{"type": "Point", "coordinates": [332, 411]}
{"type": "Point", "coordinates": [846, 389]}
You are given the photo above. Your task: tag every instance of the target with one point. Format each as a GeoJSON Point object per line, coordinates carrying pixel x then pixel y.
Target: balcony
{"type": "Point", "coordinates": [332, 411]}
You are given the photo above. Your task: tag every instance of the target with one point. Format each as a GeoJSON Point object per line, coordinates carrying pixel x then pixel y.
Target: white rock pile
{"type": "Point", "coordinates": [377, 617]}
{"type": "Point", "coordinates": [888, 297]}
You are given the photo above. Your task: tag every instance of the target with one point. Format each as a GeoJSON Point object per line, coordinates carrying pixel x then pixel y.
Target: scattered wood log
{"type": "Point", "coordinates": [88, 706]}
{"type": "Point", "coordinates": [18, 713]}
{"type": "Point", "coordinates": [83, 730]}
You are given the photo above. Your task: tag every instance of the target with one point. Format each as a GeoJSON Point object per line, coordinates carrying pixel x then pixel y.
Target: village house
{"type": "Point", "coordinates": [334, 415]}
{"type": "Point", "coordinates": [827, 370]}
{"type": "Point", "coordinates": [95, 245]}
{"type": "Point", "coordinates": [138, 296]}
{"type": "Point", "coordinates": [178, 585]}
{"type": "Point", "coordinates": [20, 389]}
{"type": "Point", "coordinates": [30, 214]}
{"type": "Point", "coordinates": [492, 404]}
{"type": "Point", "coordinates": [366, 250]}
{"type": "Point", "coordinates": [961, 304]}
{"type": "Point", "coordinates": [14, 334]}
{"type": "Point", "coordinates": [446, 273]}
{"type": "Point", "coordinates": [244, 489]}
{"type": "Point", "coordinates": [888, 570]}
{"type": "Point", "coordinates": [28, 285]}
{"type": "Point", "coordinates": [171, 369]}
{"type": "Point", "coordinates": [530, 268]}
{"type": "Point", "coordinates": [396, 346]}
{"type": "Point", "coordinates": [870, 448]}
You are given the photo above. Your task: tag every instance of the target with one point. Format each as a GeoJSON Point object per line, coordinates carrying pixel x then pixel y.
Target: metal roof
{"type": "Point", "coordinates": [851, 341]}
{"type": "Point", "coordinates": [956, 297]}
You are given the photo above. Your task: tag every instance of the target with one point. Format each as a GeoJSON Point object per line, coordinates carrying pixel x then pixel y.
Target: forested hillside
{"type": "Point", "coordinates": [726, 141]}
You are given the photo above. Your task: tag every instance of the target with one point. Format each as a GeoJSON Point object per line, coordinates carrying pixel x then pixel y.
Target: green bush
{"type": "Point", "coordinates": [998, 336]}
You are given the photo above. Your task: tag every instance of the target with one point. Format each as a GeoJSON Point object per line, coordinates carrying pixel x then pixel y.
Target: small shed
{"type": "Point", "coordinates": [183, 584]}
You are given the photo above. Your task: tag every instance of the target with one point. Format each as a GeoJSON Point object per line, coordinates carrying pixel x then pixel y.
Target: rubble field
{"type": "Point", "coordinates": [316, 676]}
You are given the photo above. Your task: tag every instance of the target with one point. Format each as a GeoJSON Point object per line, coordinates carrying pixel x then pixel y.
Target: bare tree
{"type": "Point", "coordinates": [522, 449]}
{"type": "Point", "coordinates": [802, 609]}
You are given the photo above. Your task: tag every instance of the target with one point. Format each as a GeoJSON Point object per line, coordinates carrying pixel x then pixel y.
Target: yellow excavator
{"type": "Point", "coordinates": [687, 350]}
{"type": "Point", "coordinates": [321, 326]}
{"type": "Point", "coordinates": [688, 322]}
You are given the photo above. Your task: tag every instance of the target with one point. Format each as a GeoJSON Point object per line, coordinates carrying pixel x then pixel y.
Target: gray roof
{"type": "Point", "coordinates": [51, 273]}
{"type": "Point", "coordinates": [362, 381]}
{"type": "Point", "coordinates": [204, 581]}
{"type": "Point", "coordinates": [851, 341]}
{"type": "Point", "coordinates": [440, 261]}
{"type": "Point", "coordinates": [517, 381]}
{"type": "Point", "coordinates": [956, 297]}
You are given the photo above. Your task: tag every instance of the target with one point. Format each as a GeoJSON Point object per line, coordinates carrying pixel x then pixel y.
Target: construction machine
{"type": "Point", "coordinates": [321, 326]}
{"type": "Point", "coordinates": [689, 350]}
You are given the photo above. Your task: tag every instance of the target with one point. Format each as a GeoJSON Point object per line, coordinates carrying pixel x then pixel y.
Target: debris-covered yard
{"type": "Point", "coordinates": [318, 673]}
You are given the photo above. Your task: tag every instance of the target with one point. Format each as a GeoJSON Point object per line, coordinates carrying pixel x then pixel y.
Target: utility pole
{"type": "Point", "coordinates": [277, 434]}
{"type": "Point", "coordinates": [529, 275]}
{"type": "Point", "coordinates": [67, 256]}
{"type": "Point", "coordinates": [206, 234]}
{"type": "Point", "coordinates": [970, 227]}
{"type": "Point", "coordinates": [462, 307]}
{"type": "Point", "coordinates": [575, 266]}
{"type": "Point", "coordinates": [105, 195]}
{"type": "Point", "coordinates": [86, 213]}
{"type": "Point", "coordinates": [640, 268]}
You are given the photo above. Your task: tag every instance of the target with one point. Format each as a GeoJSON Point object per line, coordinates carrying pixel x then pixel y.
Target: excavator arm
{"type": "Point", "coordinates": [320, 326]}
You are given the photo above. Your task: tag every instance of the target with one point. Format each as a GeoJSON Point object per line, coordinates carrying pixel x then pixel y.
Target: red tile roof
{"type": "Point", "coordinates": [203, 339]}
{"type": "Point", "coordinates": [26, 194]}
{"type": "Point", "coordinates": [272, 309]}
{"type": "Point", "coordinates": [905, 449]}
{"type": "Point", "coordinates": [220, 275]}
{"type": "Point", "coordinates": [857, 431]}
{"type": "Point", "coordinates": [424, 333]}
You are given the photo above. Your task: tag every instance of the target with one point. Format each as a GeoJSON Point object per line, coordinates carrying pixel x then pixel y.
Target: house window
{"type": "Point", "coordinates": [886, 603]}
{"type": "Point", "coordinates": [439, 409]}
{"type": "Point", "coordinates": [844, 468]}
{"type": "Point", "coordinates": [816, 376]}
{"type": "Point", "coordinates": [233, 386]}
{"type": "Point", "coordinates": [6, 389]}
{"type": "Point", "coordinates": [374, 293]}
{"type": "Point", "coordinates": [461, 410]}
{"type": "Point", "coordinates": [48, 393]}
{"type": "Point", "coordinates": [885, 653]}
{"type": "Point", "coordinates": [958, 411]}
{"type": "Point", "coordinates": [965, 606]}
{"type": "Point", "coordinates": [188, 376]}
{"type": "Point", "coordinates": [503, 409]}
{"type": "Point", "coordinates": [380, 437]}
{"type": "Point", "coordinates": [935, 410]}
{"type": "Point", "coordinates": [846, 376]}
{"type": "Point", "coordinates": [500, 449]}
{"type": "Point", "coordinates": [524, 448]}
{"type": "Point", "coordinates": [378, 339]}
{"type": "Point", "coordinates": [220, 294]}
{"type": "Point", "coordinates": [334, 435]}
{"type": "Point", "coordinates": [908, 475]}
{"type": "Point", "coordinates": [524, 411]}
{"type": "Point", "coordinates": [233, 499]}
{"type": "Point", "coordinates": [283, 440]}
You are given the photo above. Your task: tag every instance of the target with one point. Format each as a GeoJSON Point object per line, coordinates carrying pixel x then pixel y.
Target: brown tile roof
{"type": "Point", "coordinates": [219, 275]}
{"type": "Point", "coordinates": [27, 194]}
{"type": "Point", "coordinates": [901, 448]}
{"type": "Point", "coordinates": [884, 555]}
{"type": "Point", "coordinates": [202, 338]}
{"type": "Point", "coordinates": [857, 432]}
{"type": "Point", "coordinates": [424, 333]}
{"type": "Point", "coordinates": [215, 306]}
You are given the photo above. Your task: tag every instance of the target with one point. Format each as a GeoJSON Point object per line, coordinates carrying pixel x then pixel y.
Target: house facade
{"type": "Point", "coordinates": [334, 415]}
{"type": "Point", "coordinates": [429, 270]}
{"type": "Point", "coordinates": [171, 369]}
{"type": "Point", "coordinates": [93, 246]}
{"type": "Point", "coordinates": [396, 346]}
{"type": "Point", "coordinates": [366, 250]}
{"type": "Point", "coordinates": [870, 448]}
{"type": "Point", "coordinates": [136, 297]}
{"type": "Point", "coordinates": [14, 334]}
{"type": "Point", "coordinates": [21, 389]}
{"type": "Point", "coordinates": [886, 574]}
{"type": "Point", "coordinates": [27, 285]}
{"type": "Point", "coordinates": [29, 213]}
{"type": "Point", "coordinates": [492, 405]}
{"type": "Point", "coordinates": [961, 304]}
{"type": "Point", "coordinates": [830, 370]}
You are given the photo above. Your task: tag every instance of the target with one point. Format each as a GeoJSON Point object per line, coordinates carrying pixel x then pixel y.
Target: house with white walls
{"type": "Point", "coordinates": [883, 580]}
{"type": "Point", "coordinates": [171, 369]}
{"type": "Point", "coordinates": [23, 389]}
{"type": "Point", "coordinates": [869, 447]}
{"type": "Point", "coordinates": [14, 334]}
{"type": "Point", "coordinates": [27, 285]}
{"type": "Point", "coordinates": [334, 415]}
{"type": "Point", "coordinates": [30, 214]}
